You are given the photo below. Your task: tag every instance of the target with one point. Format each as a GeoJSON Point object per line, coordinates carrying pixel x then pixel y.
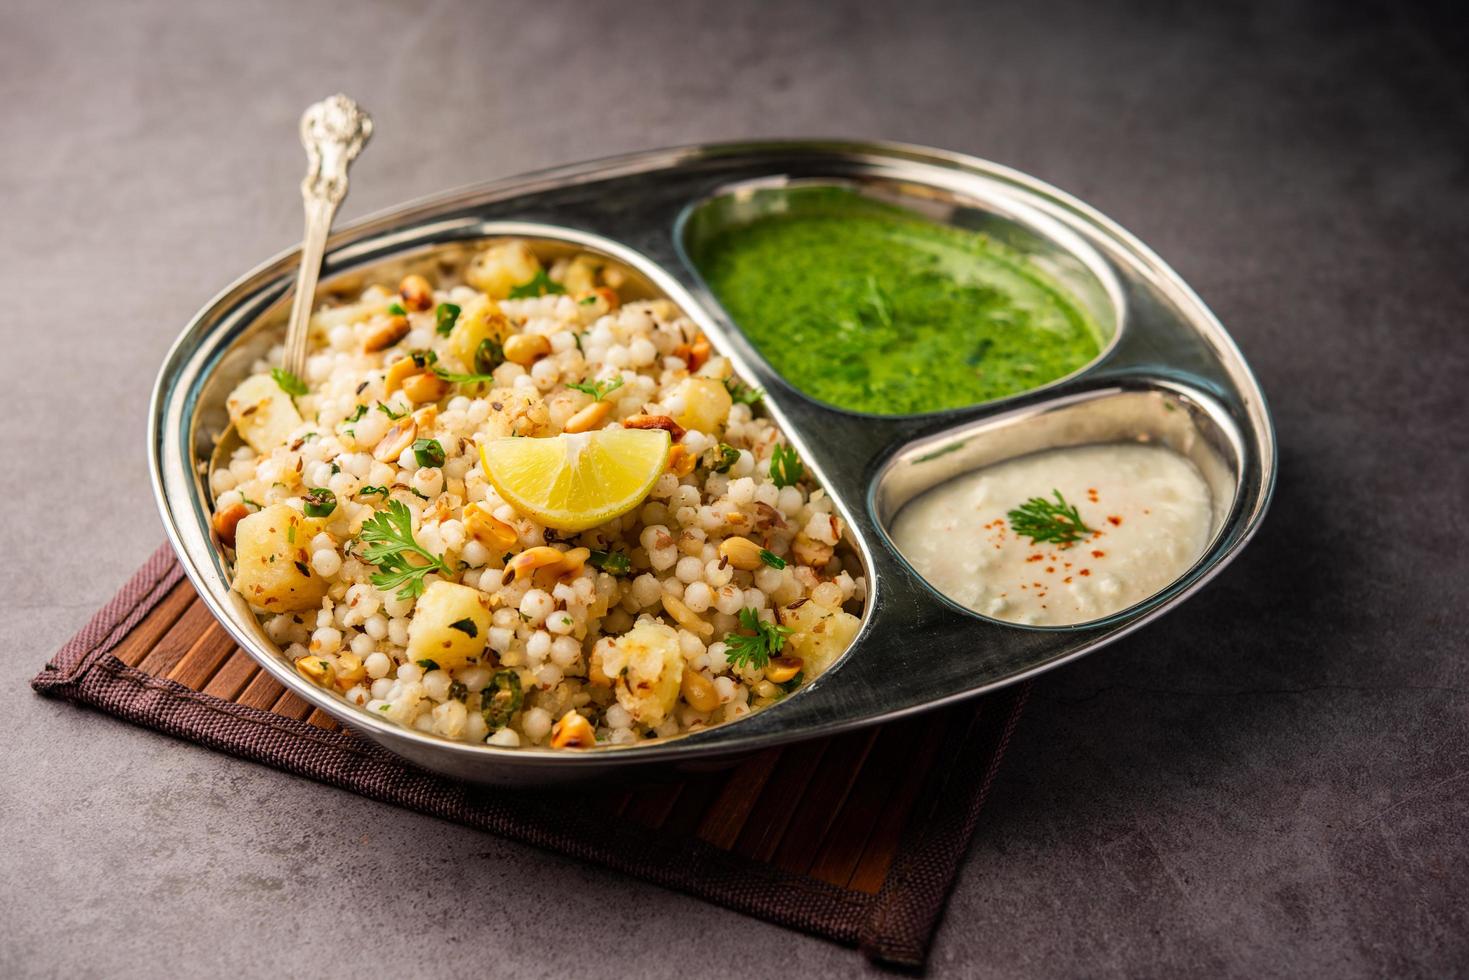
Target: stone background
{"type": "Point", "coordinates": [1273, 780]}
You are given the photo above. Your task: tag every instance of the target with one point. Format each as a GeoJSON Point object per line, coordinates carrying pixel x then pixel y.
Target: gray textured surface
{"type": "Point", "coordinates": [1273, 780]}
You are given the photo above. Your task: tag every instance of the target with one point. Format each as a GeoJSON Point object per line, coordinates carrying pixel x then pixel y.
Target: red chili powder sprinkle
{"type": "Point", "coordinates": [1036, 558]}
{"type": "Point", "coordinates": [1114, 520]}
{"type": "Point", "coordinates": [1085, 571]}
{"type": "Point", "coordinates": [1050, 569]}
{"type": "Point", "coordinates": [1099, 554]}
{"type": "Point", "coordinates": [1067, 580]}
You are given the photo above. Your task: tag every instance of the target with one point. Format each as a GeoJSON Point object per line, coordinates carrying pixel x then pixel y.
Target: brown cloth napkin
{"type": "Point", "coordinates": [893, 924]}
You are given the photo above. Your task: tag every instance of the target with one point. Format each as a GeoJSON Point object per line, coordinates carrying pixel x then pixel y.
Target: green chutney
{"type": "Point", "coordinates": [873, 308]}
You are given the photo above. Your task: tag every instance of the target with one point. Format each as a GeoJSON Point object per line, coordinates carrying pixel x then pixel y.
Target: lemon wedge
{"type": "Point", "coordinates": [579, 480]}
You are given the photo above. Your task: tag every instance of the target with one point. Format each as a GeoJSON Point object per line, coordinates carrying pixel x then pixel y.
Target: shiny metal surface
{"type": "Point", "coordinates": [915, 650]}
{"type": "Point", "coordinates": [333, 132]}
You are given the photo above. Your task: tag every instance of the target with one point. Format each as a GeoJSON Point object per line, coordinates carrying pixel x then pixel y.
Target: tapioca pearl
{"type": "Point", "coordinates": [641, 353]}
{"type": "Point", "coordinates": [362, 644]}
{"type": "Point", "coordinates": [717, 572]}
{"type": "Point", "coordinates": [536, 723]}
{"type": "Point", "coordinates": [767, 494]}
{"type": "Point", "coordinates": [409, 673]}
{"type": "Point", "coordinates": [370, 429]}
{"type": "Point", "coordinates": [536, 605]}
{"type": "Point", "coordinates": [436, 684]}
{"type": "Point", "coordinates": [538, 647]}
{"type": "Point", "coordinates": [382, 687]}
{"type": "Point", "coordinates": [729, 599]}
{"type": "Point", "coordinates": [548, 676]}
{"type": "Point", "coordinates": [508, 738]}
{"type": "Point", "coordinates": [398, 632]}
{"type": "Point", "coordinates": [768, 579]}
{"type": "Point", "coordinates": [663, 489]}
{"type": "Point", "coordinates": [560, 622]}
{"type": "Point", "coordinates": [743, 466]}
{"type": "Point", "coordinates": [377, 665]}
{"type": "Point", "coordinates": [474, 554]}
{"type": "Point", "coordinates": [500, 639]}
{"type": "Point", "coordinates": [790, 501]}
{"type": "Point", "coordinates": [326, 640]}
{"type": "Point", "coordinates": [428, 480]}
{"type": "Point", "coordinates": [565, 651]}
{"type": "Point", "coordinates": [689, 645]}
{"type": "Point", "coordinates": [689, 569]}
{"type": "Point", "coordinates": [376, 626]}
{"type": "Point", "coordinates": [753, 598]}
{"type": "Point", "coordinates": [741, 492]}
{"type": "Point", "coordinates": [343, 485]}
{"type": "Point", "coordinates": [394, 605]}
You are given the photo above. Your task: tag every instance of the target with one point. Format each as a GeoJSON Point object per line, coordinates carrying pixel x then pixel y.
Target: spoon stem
{"type": "Point", "coordinates": [333, 131]}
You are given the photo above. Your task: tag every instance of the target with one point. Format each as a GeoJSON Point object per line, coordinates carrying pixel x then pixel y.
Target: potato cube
{"type": "Point", "coordinates": [263, 414]}
{"type": "Point", "coordinates": [706, 405]}
{"type": "Point", "coordinates": [272, 563]}
{"type": "Point", "coordinates": [450, 626]}
{"type": "Point", "coordinates": [821, 634]}
{"type": "Point", "coordinates": [501, 267]}
{"type": "Point", "coordinates": [480, 320]}
{"type": "Point", "coordinates": [646, 670]}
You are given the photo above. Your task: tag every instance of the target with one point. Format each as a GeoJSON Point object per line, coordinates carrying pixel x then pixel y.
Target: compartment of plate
{"type": "Point", "coordinates": [1149, 412]}
{"type": "Point", "coordinates": [1045, 249]}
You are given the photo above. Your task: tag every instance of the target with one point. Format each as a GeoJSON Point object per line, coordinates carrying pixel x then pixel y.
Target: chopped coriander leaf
{"type": "Point", "coordinates": [384, 707]}
{"type": "Point", "coordinates": [397, 310]}
{"type": "Point", "coordinates": [373, 492]}
{"type": "Point", "coordinates": [445, 315]}
{"type": "Point", "coordinates": [288, 382]}
{"type": "Point", "coordinates": [756, 641]}
{"type": "Point", "coordinates": [457, 691]}
{"type": "Point", "coordinates": [389, 412]}
{"type": "Point", "coordinates": [420, 496]}
{"type": "Point", "coordinates": [721, 457]}
{"type": "Point", "coordinates": [428, 452]}
{"type": "Point", "coordinates": [357, 414]}
{"type": "Point", "coordinates": [423, 358]}
{"type": "Point", "coordinates": [741, 392]}
{"type": "Point", "coordinates": [785, 466]}
{"type": "Point", "coordinates": [597, 389]}
{"type": "Point", "coordinates": [390, 543]}
{"type": "Point", "coordinates": [462, 379]}
{"type": "Point", "coordinates": [587, 300]}
{"type": "Point", "coordinates": [772, 559]}
{"type": "Point", "coordinates": [428, 664]}
{"type": "Point", "coordinates": [1040, 520]}
{"type": "Point", "coordinates": [248, 502]}
{"type": "Point", "coordinates": [465, 626]}
{"type": "Point", "coordinates": [611, 562]}
{"type": "Point", "coordinates": [538, 285]}
{"type": "Point", "coordinates": [320, 502]}
{"type": "Point", "coordinates": [291, 534]}
{"type": "Point", "coordinates": [793, 683]}
{"type": "Point", "coordinates": [336, 469]}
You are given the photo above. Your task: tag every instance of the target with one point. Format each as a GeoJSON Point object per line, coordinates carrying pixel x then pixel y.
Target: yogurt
{"type": "Point", "coordinates": [1147, 514]}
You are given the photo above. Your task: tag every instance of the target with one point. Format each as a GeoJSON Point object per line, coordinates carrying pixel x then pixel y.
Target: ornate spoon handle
{"type": "Point", "coordinates": [333, 131]}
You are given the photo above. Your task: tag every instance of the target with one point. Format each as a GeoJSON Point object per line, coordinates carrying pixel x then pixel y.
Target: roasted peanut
{"type": "Point", "coordinates": [526, 348]}
{"type": "Point", "coordinates": [399, 372]}
{"type": "Point", "coordinates": [395, 440]}
{"type": "Point", "coordinates": [417, 294]}
{"type": "Point", "coordinates": [588, 418]}
{"type": "Point", "coordinates": [572, 732]}
{"type": "Point", "coordinates": [686, 617]}
{"type": "Point", "coordinates": [742, 553]}
{"type": "Point", "coordinates": [809, 551]}
{"type": "Point", "coordinates": [663, 422]}
{"type": "Point", "coordinates": [681, 462]}
{"type": "Point", "coordinates": [699, 691]}
{"type": "Point", "coordinates": [385, 336]}
{"type": "Point", "coordinates": [225, 520]}
{"type": "Point", "coordinates": [349, 671]}
{"type": "Point", "coordinates": [531, 559]}
{"type": "Point", "coordinates": [782, 669]}
{"type": "Point", "coordinates": [488, 529]}
{"type": "Point", "coordinates": [425, 388]}
{"type": "Point", "coordinates": [317, 670]}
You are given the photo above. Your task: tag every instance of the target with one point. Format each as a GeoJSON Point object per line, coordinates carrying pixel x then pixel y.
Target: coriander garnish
{"type": "Point", "coordinates": [741, 392]}
{"type": "Point", "coordinates": [597, 389]}
{"type": "Point", "coordinates": [785, 466]}
{"type": "Point", "coordinates": [1040, 520]}
{"type": "Point", "coordinates": [755, 642]}
{"type": "Point", "coordinates": [397, 310]}
{"type": "Point", "coordinates": [445, 316]}
{"type": "Point", "coordinates": [389, 540]}
{"type": "Point", "coordinates": [320, 502]}
{"type": "Point", "coordinates": [428, 452]}
{"type": "Point", "coordinates": [288, 382]}
{"type": "Point", "coordinates": [538, 285]}
{"type": "Point", "coordinates": [611, 562]}
{"type": "Point", "coordinates": [772, 559]}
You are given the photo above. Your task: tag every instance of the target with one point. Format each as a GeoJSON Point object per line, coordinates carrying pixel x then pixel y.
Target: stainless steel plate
{"type": "Point", "coordinates": [1169, 373]}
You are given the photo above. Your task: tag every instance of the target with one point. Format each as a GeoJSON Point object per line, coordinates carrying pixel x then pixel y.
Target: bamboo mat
{"type": "Point", "coordinates": [855, 837]}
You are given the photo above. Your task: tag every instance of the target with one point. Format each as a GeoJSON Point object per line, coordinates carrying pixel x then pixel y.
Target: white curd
{"type": "Point", "coordinates": [1147, 510]}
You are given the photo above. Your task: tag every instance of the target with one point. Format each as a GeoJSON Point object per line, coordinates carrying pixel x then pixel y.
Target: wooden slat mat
{"type": "Point", "coordinates": [855, 837]}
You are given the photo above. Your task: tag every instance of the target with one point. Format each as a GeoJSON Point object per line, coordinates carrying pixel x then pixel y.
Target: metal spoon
{"type": "Point", "coordinates": [333, 131]}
